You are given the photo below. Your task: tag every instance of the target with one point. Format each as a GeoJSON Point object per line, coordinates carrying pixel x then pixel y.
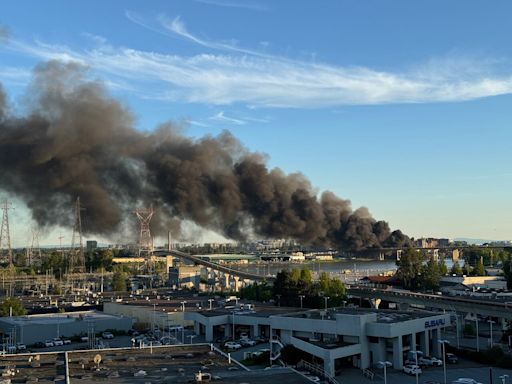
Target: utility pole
{"type": "Point", "coordinates": [34, 252]}
{"type": "Point", "coordinates": [76, 253]}
{"type": "Point", "coordinates": [5, 237]}
{"type": "Point", "coordinates": [145, 240]}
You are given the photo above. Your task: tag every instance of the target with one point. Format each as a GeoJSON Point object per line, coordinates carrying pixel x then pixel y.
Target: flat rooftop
{"type": "Point", "coordinates": [259, 310]}
{"type": "Point", "coordinates": [57, 318]}
{"type": "Point", "coordinates": [383, 316]}
{"type": "Point", "coordinates": [168, 364]}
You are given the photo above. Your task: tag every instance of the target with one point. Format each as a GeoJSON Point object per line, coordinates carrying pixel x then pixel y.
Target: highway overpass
{"type": "Point", "coordinates": [492, 308]}
{"type": "Point", "coordinates": [215, 266]}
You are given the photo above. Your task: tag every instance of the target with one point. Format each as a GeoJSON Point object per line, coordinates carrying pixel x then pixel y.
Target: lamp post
{"type": "Point", "coordinates": [491, 322]}
{"type": "Point", "coordinates": [443, 344]}
{"type": "Point", "coordinates": [384, 364]}
{"type": "Point", "coordinates": [211, 301]}
{"type": "Point", "coordinates": [301, 297]}
{"type": "Point", "coordinates": [233, 326]}
{"type": "Point", "coordinates": [191, 337]}
{"type": "Point", "coordinates": [183, 306]}
{"type": "Point", "coordinates": [504, 379]}
{"type": "Point", "coordinates": [326, 298]}
{"type": "Point", "coordinates": [457, 328]}
{"type": "Point", "coordinates": [416, 359]}
{"type": "Point", "coordinates": [278, 300]}
{"type": "Point", "coordinates": [477, 335]}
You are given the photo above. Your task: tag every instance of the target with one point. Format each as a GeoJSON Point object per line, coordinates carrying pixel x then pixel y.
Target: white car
{"type": "Point", "coordinates": [247, 342]}
{"type": "Point", "coordinates": [232, 345]}
{"type": "Point", "coordinates": [48, 343]}
{"type": "Point", "coordinates": [430, 361]}
{"type": "Point", "coordinates": [57, 341]}
{"type": "Point", "coordinates": [107, 335]}
{"type": "Point", "coordinates": [465, 380]}
{"type": "Point", "coordinates": [21, 347]}
{"type": "Point", "coordinates": [66, 341]}
{"type": "Point", "coordinates": [412, 369]}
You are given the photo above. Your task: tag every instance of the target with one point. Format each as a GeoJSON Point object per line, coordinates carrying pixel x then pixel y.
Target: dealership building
{"type": "Point", "coordinates": [338, 336]}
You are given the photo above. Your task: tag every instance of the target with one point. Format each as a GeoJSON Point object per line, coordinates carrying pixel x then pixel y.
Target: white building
{"type": "Point", "coordinates": [338, 336]}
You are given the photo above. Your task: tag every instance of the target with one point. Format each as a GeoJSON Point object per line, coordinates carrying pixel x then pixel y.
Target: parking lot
{"type": "Point", "coordinates": [431, 375]}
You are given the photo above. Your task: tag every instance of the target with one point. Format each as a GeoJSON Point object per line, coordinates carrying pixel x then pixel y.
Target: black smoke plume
{"type": "Point", "coordinates": [75, 140]}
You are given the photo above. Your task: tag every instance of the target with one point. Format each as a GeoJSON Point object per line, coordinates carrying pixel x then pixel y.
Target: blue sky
{"type": "Point", "coordinates": [400, 106]}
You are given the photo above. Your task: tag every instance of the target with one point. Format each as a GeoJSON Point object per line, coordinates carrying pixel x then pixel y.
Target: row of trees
{"type": "Point", "coordinates": [289, 286]}
{"type": "Point", "coordinates": [415, 274]}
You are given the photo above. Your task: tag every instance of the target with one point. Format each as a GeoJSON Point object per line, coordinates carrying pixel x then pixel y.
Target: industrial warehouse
{"type": "Point", "coordinates": [338, 336]}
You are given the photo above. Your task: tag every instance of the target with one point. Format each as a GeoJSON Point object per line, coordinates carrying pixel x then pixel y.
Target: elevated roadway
{"type": "Point", "coordinates": [215, 266]}
{"type": "Point", "coordinates": [488, 307]}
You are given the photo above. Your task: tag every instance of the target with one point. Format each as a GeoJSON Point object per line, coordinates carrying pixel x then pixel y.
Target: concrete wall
{"type": "Point", "coordinates": [34, 331]}
{"type": "Point", "coordinates": [143, 314]}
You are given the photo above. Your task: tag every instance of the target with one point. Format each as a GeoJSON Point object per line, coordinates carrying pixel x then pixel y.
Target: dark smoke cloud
{"type": "Point", "coordinates": [78, 141]}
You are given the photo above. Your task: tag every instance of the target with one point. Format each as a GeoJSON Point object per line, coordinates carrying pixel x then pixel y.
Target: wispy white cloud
{"type": "Point", "coordinates": [197, 123]}
{"type": "Point", "coordinates": [14, 74]}
{"type": "Point", "coordinates": [222, 118]}
{"type": "Point", "coordinates": [234, 4]}
{"type": "Point", "coordinates": [237, 75]}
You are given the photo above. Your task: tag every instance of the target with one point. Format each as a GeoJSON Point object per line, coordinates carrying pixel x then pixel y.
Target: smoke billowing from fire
{"type": "Point", "coordinates": [75, 140]}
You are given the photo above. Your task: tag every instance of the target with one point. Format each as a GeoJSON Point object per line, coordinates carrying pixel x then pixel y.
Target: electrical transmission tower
{"type": "Point", "coordinates": [145, 239]}
{"type": "Point", "coordinates": [5, 237]}
{"type": "Point", "coordinates": [76, 253]}
{"type": "Point", "coordinates": [34, 252]}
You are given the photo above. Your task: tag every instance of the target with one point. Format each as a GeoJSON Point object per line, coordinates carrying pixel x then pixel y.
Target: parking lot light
{"type": "Point", "coordinates": [443, 344]}
{"type": "Point", "coordinates": [384, 364]}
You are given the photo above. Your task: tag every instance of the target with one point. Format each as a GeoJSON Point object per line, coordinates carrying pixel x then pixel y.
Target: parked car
{"type": "Point", "coordinates": [244, 335]}
{"type": "Point", "coordinates": [412, 369]}
{"type": "Point", "coordinates": [84, 339]}
{"type": "Point", "coordinates": [57, 341]}
{"type": "Point", "coordinates": [48, 343]}
{"type": "Point", "coordinates": [451, 358]}
{"type": "Point", "coordinates": [66, 341]}
{"type": "Point", "coordinates": [107, 335]}
{"type": "Point", "coordinates": [465, 380]}
{"type": "Point", "coordinates": [232, 345]}
{"type": "Point", "coordinates": [430, 361]}
{"type": "Point", "coordinates": [260, 339]}
{"type": "Point", "coordinates": [247, 342]}
{"type": "Point", "coordinates": [21, 347]}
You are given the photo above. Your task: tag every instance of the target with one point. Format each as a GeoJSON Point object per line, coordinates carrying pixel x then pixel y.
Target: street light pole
{"type": "Point", "coordinates": [385, 364]}
{"type": "Point", "coordinates": [210, 301]}
{"type": "Point", "coordinates": [301, 297]}
{"type": "Point", "coordinates": [491, 322]}
{"type": "Point", "coordinates": [416, 359]}
{"type": "Point", "coordinates": [326, 298]}
{"type": "Point", "coordinates": [233, 326]}
{"type": "Point", "coordinates": [504, 378]}
{"type": "Point", "coordinates": [443, 344]}
{"type": "Point", "coordinates": [477, 335]}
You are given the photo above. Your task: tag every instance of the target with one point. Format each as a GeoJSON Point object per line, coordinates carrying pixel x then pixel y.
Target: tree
{"type": "Point", "coordinates": [443, 269]}
{"type": "Point", "coordinates": [479, 269]}
{"type": "Point", "coordinates": [507, 272]}
{"type": "Point", "coordinates": [467, 268]}
{"type": "Point", "coordinates": [430, 275]}
{"type": "Point", "coordinates": [306, 277]}
{"type": "Point", "coordinates": [119, 280]}
{"type": "Point", "coordinates": [456, 269]}
{"type": "Point", "coordinates": [409, 268]}
{"type": "Point", "coordinates": [12, 304]}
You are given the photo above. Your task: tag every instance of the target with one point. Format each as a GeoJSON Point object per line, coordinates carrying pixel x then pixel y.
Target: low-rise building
{"type": "Point", "coordinates": [38, 328]}
{"type": "Point", "coordinates": [338, 336]}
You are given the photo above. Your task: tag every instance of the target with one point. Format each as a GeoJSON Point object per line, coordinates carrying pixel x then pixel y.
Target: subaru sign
{"type": "Point", "coordinates": [434, 323]}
